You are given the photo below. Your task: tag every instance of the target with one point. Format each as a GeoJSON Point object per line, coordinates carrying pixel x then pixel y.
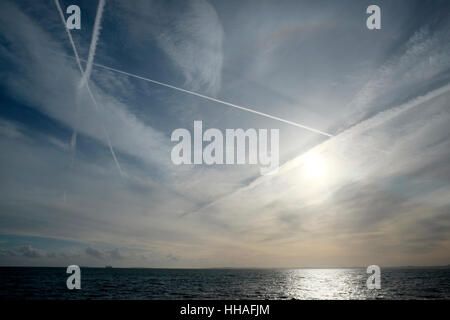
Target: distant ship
{"type": "Point", "coordinates": [108, 267]}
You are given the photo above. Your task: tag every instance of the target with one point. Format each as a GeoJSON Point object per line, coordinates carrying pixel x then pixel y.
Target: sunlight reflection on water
{"type": "Point", "coordinates": [326, 284]}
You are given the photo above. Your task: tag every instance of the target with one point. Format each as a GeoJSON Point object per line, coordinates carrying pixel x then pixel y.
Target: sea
{"type": "Point", "coordinates": [31, 283]}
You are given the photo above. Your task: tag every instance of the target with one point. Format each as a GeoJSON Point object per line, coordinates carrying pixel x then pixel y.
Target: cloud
{"type": "Point", "coordinates": [94, 253]}
{"type": "Point", "coordinates": [172, 258]}
{"type": "Point", "coordinates": [5, 253]}
{"type": "Point", "coordinates": [89, 256]}
{"type": "Point", "coordinates": [94, 40]}
{"type": "Point", "coordinates": [10, 130]}
{"type": "Point", "coordinates": [417, 68]}
{"type": "Point", "coordinates": [115, 254]}
{"type": "Point", "coordinates": [29, 252]}
{"type": "Point", "coordinates": [190, 33]}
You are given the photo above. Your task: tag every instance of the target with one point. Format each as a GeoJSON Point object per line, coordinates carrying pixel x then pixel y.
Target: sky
{"type": "Point", "coordinates": [376, 192]}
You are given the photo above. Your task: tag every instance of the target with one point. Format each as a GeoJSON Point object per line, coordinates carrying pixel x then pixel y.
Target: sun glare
{"type": "Point", "coordinates": [314, 166]}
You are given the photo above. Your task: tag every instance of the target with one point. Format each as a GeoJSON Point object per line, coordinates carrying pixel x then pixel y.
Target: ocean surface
{"type": "Point", "coordinates": [103, 283]}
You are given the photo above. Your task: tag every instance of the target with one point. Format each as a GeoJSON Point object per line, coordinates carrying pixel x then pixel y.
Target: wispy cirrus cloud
{"type": "Point", "coordinates": [420, 66]}
{"type": "Point", "coordinates": [191, 36]}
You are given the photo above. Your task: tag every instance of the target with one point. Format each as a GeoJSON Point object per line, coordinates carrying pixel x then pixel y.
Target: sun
{"type": "Point", "coordinates": [314, 166]}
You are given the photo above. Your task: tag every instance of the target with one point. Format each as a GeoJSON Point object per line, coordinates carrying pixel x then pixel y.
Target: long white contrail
{"type": "Point", "coordinates": [94, 40]}
{"type": "Point", "coordinates": [94, 101]}
{"type": "Point", "coordinates": [209, 98]}
{"type": "Point", "coordinates": [215, 100]}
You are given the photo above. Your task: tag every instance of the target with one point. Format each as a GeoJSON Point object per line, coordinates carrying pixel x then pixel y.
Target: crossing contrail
{"type": "Point", "coordinates": [94, 40]}
{"type": "Point", "coordinates": [94, 101]}
{"type": "Point", "coordinates": [248, 109]}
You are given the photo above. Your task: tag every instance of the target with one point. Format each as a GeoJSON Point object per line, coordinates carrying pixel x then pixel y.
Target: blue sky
{"type": "Point", "coordinates": [377, 192]}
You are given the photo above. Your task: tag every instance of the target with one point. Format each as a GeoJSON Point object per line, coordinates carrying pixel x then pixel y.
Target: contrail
{"type": "Point", "coordinates": [87, 72]}
{"type": "Point", "coordinates": [210, 98]}
{"type": "Point", "coordinates": [216, 100]}
{"type": "Point", "coordinates": [73, 141]}
{"type": "Point", "coordinates": [61, 14]}
{"type": "Point", "coordinates": [93, 46]}
{"type": "Point", "coordinates": [97, 107]}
